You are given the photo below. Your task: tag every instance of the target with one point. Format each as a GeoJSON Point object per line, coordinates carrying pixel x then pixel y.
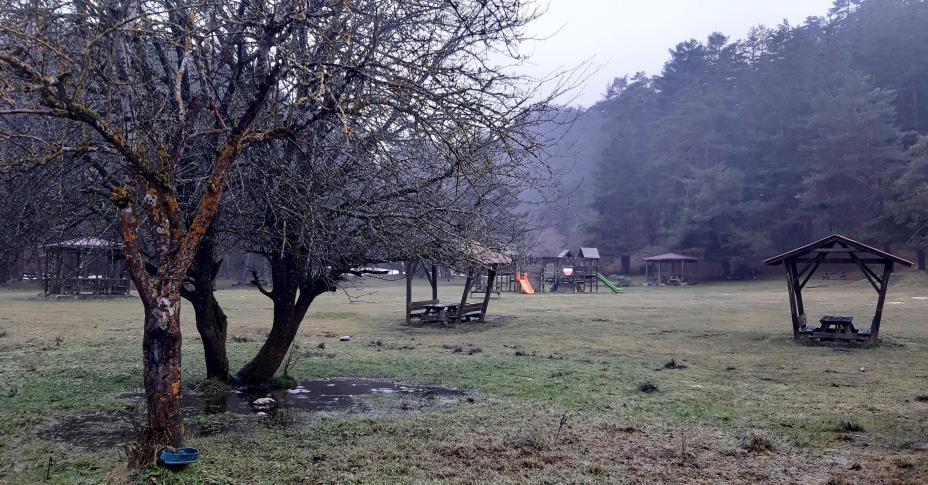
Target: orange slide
{"type": "Point", "coordinates": [523, 281]}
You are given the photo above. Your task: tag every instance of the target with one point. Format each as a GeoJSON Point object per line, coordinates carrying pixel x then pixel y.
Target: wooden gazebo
{"type": "Point", "coordinates": [659, 276]}
{"type": "Point", "coordinates": [476, 259]}
{"type": "Point", "coordinates": [876, 265]}
{"type": "Point", "coordinates": [85, 267]}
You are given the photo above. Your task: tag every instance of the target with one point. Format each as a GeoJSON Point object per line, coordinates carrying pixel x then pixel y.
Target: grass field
{"type": "Point", "coordinates": [557, 384]}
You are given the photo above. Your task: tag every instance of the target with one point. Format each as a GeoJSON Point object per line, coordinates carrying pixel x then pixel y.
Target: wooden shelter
{"type": "Point", "coordinates": [661, 276]}
{"type": "Point", "coordinates": [476, 259]}
{"type": "Point", "coordinates": [85, 267]}
{"type": "Point", "coordinates": [836, 249]}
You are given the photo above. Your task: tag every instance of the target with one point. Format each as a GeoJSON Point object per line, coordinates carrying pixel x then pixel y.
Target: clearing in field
{"type": "Point", "coordinates": [699, 383]}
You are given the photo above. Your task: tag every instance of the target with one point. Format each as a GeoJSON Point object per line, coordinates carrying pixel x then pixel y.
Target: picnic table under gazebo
{"type": "Point", "coordinates": [477, 259]}
{"type": "Point", "coordinates": [656, 275]}
{"type": "Point", "coordinates": [802, 262]}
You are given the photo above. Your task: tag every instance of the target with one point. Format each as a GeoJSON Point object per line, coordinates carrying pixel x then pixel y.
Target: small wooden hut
{"type": "Point", "coordinates": [656, 274]}
{"type": "Point", "coordinates": [876, 265]}
{"type": "Point", "coordinates": [85, 267]}
{"type": "Point", "coordinates": [475, 259]}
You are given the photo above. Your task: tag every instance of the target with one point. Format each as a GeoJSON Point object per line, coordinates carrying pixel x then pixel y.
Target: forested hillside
{"type": "Point", "coordinates": [740, 148]}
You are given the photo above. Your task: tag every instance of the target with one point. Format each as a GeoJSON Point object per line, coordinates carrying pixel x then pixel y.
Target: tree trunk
{"type": "Point", "coordinates": [5, 272]}
{"type": "Point", "coordinates": [262, 367]}
{"type": "Point", "coordinates": [726, 268]}
{"type": "Point", "coordinates": [212, 324]}
{"type": "Point", "coordinates": [292, 294]}
{"type": "Point", "coordinates": [161, 350]}
{"type": "Point", "coordinates": [920, 255]}
{"type": "Point", "coordinates": [247, 263]}
{"type": "Point", "coordinates": [626, 264]}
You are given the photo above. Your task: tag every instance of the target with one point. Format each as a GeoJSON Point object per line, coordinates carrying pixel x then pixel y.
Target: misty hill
{"type": "Point", "coordinates": [740, 148]}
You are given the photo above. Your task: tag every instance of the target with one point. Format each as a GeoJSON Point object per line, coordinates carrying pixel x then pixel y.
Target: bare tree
{"type": "Point", "coordinates": [159, 100]}
{"type": "Point", "coordinates": [395, 180]}
{"type": "Point", "coordinates": [163, 97]}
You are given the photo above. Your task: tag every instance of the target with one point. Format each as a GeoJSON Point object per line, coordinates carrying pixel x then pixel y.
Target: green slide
{"type": "Point", "coordinates": [614, 288]}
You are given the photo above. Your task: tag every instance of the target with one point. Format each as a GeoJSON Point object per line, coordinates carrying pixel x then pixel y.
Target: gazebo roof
{"type": "Point", "coordinates": [839, 246]}
{"type": "Point", "coordinates": [671, 257]}
{"type": "Point", "coordinates": [481, 255]}
{"type": "Point", "coordinates": [86, 243]}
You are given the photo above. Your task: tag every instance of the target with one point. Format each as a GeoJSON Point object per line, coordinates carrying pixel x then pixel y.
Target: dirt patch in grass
{"type": "Point", "coordinates": [647, 387]}
{"type": "Point", "coordinates": [537, 448]}
{"type": "Point", "coordinates": [673, 364]}
{"type": "Point", "coordinates": [90, 431]}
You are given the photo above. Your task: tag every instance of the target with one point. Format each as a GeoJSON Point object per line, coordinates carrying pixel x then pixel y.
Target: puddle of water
{"type": "Point", "coordinates": [315, 395]}
{"type": "Point", "coordinates": [310, 395]}
{"type": "Point", "coordinates": [101, 430]}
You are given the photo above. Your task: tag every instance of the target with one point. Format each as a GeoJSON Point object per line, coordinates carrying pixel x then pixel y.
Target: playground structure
{"type": "Point", "coordinates": [657, 275]}
{"type": "Point", "coordinates": [570, 273]}
{"type": "Point", "coordinates": [85, 267]}
{"type": "Point", "coordinates": [481, 263]}
{"type": "Point", "coordinates": [563, 273]}
{"type": "Point", "coordinates": [832, 250]}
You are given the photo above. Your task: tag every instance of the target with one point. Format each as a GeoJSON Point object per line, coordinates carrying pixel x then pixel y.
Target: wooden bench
{"type": "Point", "coordinates": [418, 308]}
{"type": "Point", "coordinates": [470, 310]}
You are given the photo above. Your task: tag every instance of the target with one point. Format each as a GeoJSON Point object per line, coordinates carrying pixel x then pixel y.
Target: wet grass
{"type": "Point", "coordinates": [561, 375]}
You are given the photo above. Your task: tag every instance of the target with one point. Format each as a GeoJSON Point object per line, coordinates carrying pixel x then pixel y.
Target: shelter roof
{"type": "Point", "coordinates": [484, 256]}
{"type": "Point", "coordinates": [840, 246]}
{"type": "Point", "coordinates": [671, 257]}
{"type": "Point", "coordinates": [86, 243]}
{"type": "Point", "coordinates": [589, 253]}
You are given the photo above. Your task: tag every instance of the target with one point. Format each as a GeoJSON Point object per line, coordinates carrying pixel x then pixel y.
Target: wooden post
{"type": "Point", "coordinates": [434, 282]}
{"type": "Point", "coordinates": [58, 263]}
{"type": "Point", "coordinates": [409, 270]}
{"type": "Point", "coordinates": [800, 309]}
{"type": "Point", "coordinates": [878, 316]}
{"type": "Point", "coordinates": [791, 289]}
{"type": "Point", "coordinates": [467, 285]}
{"type": "Point", "coordinates": [491, 276]}
{"type": "Point", "coordinates": [45, 276]}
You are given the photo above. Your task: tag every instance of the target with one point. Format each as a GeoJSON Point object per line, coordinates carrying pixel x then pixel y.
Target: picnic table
{"type": "Point", "coordinates": [836, 328]}
{"type": "Point", "coordinates": [837, 324]}
{"type": "Point", "coordinates": [440, 311]}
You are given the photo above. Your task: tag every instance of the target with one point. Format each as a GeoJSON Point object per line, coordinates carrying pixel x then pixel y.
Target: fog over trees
{"type": "Point", "coordinates": [742, 147]}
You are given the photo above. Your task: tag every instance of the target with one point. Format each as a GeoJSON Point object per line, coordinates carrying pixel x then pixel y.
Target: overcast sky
{"type": "Point", "coordinates": [627, 36]}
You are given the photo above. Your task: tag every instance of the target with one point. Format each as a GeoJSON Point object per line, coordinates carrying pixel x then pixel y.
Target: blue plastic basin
{"type": "Point", "coordinates": [180, 456]}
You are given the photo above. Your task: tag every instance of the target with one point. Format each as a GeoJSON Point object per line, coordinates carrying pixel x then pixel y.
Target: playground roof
{"type": "Point", "coordinates": [565, 253]}
{"type": "Point", "coordinates": [589, 253]}
{"type": "Point", "coordinates": [671, 257]}
{"type": "Point", "coordinates": [839, 246]}
{"type": "Point", "coordinates": [86, 243]}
